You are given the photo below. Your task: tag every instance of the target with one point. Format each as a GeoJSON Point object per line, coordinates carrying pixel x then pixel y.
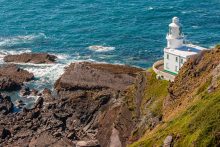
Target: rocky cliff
{"type": "Point", "coordinates": [105, 108]}
{"type": "Point", "coordinates": [108, 105]}
{"type": "Point", "coordinates": [96, 105]}
{"type": "Point", "coordinates": [191, 109]}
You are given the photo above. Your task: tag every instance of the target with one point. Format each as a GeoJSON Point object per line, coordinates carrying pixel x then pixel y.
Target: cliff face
{"type": "Point", "coordinates": [107, 99]}
{"type": "Point", "coordinates": [191, 109]}
{"type": "Point", "coordinates": [96, 105]}
{"type": "Point", "coordinates": [113, 106]}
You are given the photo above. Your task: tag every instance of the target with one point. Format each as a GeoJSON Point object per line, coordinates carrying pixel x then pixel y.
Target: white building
{"type": "Point", "coordinates": [177, 52]}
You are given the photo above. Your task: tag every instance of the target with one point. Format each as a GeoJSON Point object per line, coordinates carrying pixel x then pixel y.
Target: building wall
{"type": "Point", "coordinates": [173, 63]}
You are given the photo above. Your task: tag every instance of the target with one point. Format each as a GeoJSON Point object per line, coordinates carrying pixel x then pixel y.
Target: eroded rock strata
{"type": "Point", "coordinates": [96, 105]}
{"type": "Point", "coordinates": [13, 77]}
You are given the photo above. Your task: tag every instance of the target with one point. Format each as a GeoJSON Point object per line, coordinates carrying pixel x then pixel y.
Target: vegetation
{"type": "Point", "coordinates": [151, 94]}
{"type": "Point", "coordinates": [197, 125]}
{"type": "Point", "coordinates": [217, 46]}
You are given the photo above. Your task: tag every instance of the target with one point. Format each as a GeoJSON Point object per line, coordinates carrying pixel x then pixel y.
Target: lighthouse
{"type": "Point", "coordinates": [177, 52]}
{"type": "Point", "coordinates": [175, 37]}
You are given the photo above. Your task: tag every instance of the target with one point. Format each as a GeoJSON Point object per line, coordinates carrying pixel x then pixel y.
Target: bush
{"type": "Point", "coordinates": [217, 46]}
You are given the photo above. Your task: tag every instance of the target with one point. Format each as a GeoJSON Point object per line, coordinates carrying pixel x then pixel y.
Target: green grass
{"type": "Point", "coordinates": [196, 126]}
{"type": "Point", "coordinates": [155, 91]}
{"type": "Point", "coordinates": [217, 46]}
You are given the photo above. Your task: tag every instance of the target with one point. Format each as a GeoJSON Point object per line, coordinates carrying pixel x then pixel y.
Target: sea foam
{"type": "Point", "coordinates": [99, 48]}
{"type": "Point", "coordinates": [20, 40]}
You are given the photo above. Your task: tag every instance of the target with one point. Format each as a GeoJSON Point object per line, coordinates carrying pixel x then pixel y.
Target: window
{"type": "Point", "coordinates": [180, 31]}
{"type": "Point", "coordinates": [168, 56]}
{"type": "Point", "coordinates": [181, 61]}
{"type": "Point", "coordinates": [176, 68]}
{"type": "Point", "coordinates": [176, 59]}
{"type": "Point", "coordinates": [167, 66]}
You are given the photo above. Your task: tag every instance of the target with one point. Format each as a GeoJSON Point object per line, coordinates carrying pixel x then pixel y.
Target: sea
{"type": "Point", "coordinates": [129, 32]}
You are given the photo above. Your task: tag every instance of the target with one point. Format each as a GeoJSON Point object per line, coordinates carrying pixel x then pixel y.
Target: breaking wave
{"type": "Point", "coordinates": [17, 41]}
{"type": "Point", "coordinates": [149, 8]}
{"type": "Point", "coordinates": [99, 48]}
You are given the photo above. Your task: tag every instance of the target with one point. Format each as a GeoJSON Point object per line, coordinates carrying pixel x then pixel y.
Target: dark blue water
{"type": "Point", "coordinates": [136, 28]}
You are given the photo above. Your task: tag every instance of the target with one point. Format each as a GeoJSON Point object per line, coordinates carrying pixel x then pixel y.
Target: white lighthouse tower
{"type": "Point", "coordinates": [175, 37]}
{"type": "Point", "coordinates": [177, 52]}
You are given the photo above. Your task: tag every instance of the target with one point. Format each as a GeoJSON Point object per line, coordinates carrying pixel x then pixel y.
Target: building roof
{"type": "Point", "coordinates": [185, 50]}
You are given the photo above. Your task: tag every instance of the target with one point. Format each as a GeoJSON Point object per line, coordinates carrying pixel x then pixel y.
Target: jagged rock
{"type": "Point", "coordinates": [47, 94]}
{"type": "Point", "coordinates": [96, 76]}
{"type": "Point", "coordinates": [8, 84]}
{"type": "Point", "coordinates": [4, 133]}
{"type": "Point", "coordinates": [6, 105]}
{"type": "Point", "coordinates": [90, 143]}
{"type": "Point", "coordinates": [168, 141]}
{"type": "Point", "coordinates": [39, 103]}
{"type": "Point", "coordinates": [37, 58]}
{"type": "Point", "coordinates": [34, 92]}
{"type": "Point", "coordinates": [19, 103]}
{"type": "Point", "coordinates": [13, 77]}
{"type": "Point", "coordinates": [72, 136]}
{"type": "Point", "coordinates": [78, 113]}
{"type": "Point", "coordinates": [25, 91]}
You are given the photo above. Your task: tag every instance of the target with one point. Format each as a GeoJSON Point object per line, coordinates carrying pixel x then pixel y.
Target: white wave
{"type": "Point", "coordinates": [14, 52]}
{"type": "Point", "coordinates": [16, 40]}
{"type": "Point", "coordinates": [61, 56]}
{"type": "Point", "coordinates": [48, 73]}
{"type": "Point", "coordinates": [5, 52]}
{"type": "Point", "coordinates": [99, 48]}
{"type": "Point", "coordinates": [195, 27]}
{"type": "Point", "coordinates": [149, 8]}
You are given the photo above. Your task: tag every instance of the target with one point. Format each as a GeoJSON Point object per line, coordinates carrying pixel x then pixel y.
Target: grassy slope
{"type": "Point", "coordinates": [197, 125]}
{"type": "Point", "coordinates": [151, 94]}
{"type": "Point", "coordinates": [152, 103]}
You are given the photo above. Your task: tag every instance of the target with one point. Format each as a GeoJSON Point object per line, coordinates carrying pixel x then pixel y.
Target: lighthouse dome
{"type": "Point", "coordinates": [175, 23]}
{"type": "Point", "coordinates": [175, 20]}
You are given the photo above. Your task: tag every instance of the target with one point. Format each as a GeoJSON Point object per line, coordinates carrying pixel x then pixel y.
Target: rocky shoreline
{"type": "Point", "coordinates": [36, 58]}
{"type": "Point", "coordinates": [89, 109]}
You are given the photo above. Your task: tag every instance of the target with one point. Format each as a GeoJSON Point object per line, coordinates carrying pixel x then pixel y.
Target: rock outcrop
{"type": "Point", "coordinates": [36, 58]}
{"type": "Point", "coordinates": [91, 109]}
{"type": "Point", "coordinates": [6, 106]}
{"type": "Point", "coordinates": [100, 93]}
{"type": "Point", "coordinates": [190, 111]}
{"type": "Point", "coordinates": [13, 77]}
{"type": "Point", "coordinates": [197, 71]}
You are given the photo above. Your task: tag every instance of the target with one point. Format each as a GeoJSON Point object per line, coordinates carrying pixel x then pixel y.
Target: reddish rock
{"type": "Point", "coordinates": [36, 58]}
{"type": "Point", "coordinates": [83, 114]}
{"type": "Point", "coordinates": [87, 75]}
{"type": "Point", "coordinates": [34, 92]}
{"type": "Point", "coordinates": [25, 91]}
{"type": "Point", "coordinates": [13, 77]}
{"type": "Point", "coordinates": [6, 106]}
{"type": "Point", "coordinates": [4, 133]}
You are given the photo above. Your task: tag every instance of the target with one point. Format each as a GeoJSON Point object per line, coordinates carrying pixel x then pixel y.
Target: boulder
{"type": "Point", "coordinates": [90, 143]}
{"type": "Point", "coordinates": [34, 92]}
{"type": "Point", "coordinates": [8, 84]}
{"type": "Point", "coordinates": [6, 105]}
{"type": "Point", "coordinates": [25, 91]}
{"type": "Point", "coordinates": [36, 58]}
{"type": "Point", "coordinates": [13, 77]}
{"type": "Point", "coordinates": [47, 94]}
{"type": "Point", "coordinates": [39, 103]}
{"type": "Point", "coordinates": [96, 76]}
{"type": "Point", "coordinates": [168, 141]}
{"type": "Point", "coordinates": [19, 103]}
{"type": "Point", "coordinates": [4, 133]}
